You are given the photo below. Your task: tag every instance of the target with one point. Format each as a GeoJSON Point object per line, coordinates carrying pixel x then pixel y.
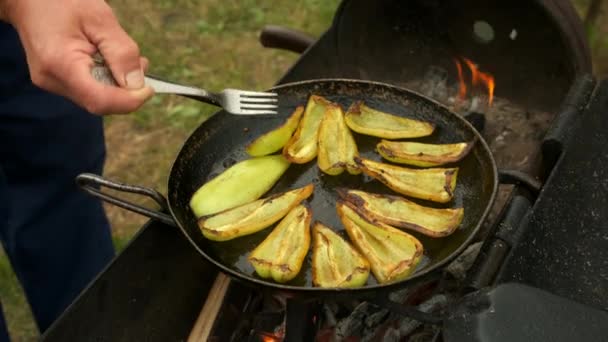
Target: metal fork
{"type": "Point", "coordinates": [234, 101]}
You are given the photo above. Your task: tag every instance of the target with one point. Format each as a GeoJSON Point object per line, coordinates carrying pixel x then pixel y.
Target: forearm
{"type": "Point", "coordinates": [4, 10]}
{"type": "Point", "coordinates": [2, 15]}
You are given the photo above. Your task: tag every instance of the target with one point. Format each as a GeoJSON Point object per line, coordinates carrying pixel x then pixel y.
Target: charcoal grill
{"type": "Point", "coordinates": [539, 270]}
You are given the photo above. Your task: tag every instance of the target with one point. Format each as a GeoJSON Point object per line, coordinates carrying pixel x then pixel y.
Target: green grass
{"type": "Point", "coordinates": [597, 36]}
{"type": "Point", "coordinates": [17, 312]}
{"type": "Point", "coordinates": [211, 43]}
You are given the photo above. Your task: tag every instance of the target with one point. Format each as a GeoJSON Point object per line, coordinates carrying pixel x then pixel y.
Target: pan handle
{"type": "Point", "coordinates": [279, 37]}
{"type": "Point", "coordinates": [90, 183]}
{"type": "Point", "coordinates": [521, 178]}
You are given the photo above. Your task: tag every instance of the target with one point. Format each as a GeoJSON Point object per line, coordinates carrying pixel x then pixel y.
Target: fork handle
{"type": "Point", "coordinates": [104, 75]}
{"type": "Point", "coordinates": [165, 87]}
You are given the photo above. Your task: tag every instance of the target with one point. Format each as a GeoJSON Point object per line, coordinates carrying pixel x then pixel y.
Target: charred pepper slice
{"type": "Point", "coordinates": [436, 184]}
{"type": "Point", "coordinates": [281, 255]}
{"type": "Point", "coordinates": [393, 254]}
{"type": "Point", "coordinates": [365, 120]}
{"type": "Point", "coordinates": [419, 154]}
{"type": "Point", "coordinates": [243, 182]}
{"type": "Point", "coordinates": [335, 263]}
{"type": "Point", "coordinates": [277, 138]}
{"type": "Point", "coordinates": [302, 146]}
{"type": "Point", "coordinates": [337, 147]}
{"type": "Point", "coordinates": [399, 212]}
{"type": "Point", "coordinates": [252, 217]}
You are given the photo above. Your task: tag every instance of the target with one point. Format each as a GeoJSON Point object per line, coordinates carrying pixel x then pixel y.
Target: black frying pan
{"type": "Point", "coordinates": [219, 142]}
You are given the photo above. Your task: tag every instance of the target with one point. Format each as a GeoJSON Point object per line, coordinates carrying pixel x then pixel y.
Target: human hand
{"type": "Point", "coordinates": [60, 36]}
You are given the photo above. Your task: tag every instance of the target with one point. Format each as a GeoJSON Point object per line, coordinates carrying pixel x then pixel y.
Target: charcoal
{"type": "Point", "coordinates": [399, 327]}
{"type": "Point", "coordinates": [408, 325]}
{"type": "Point", "coordinates": [422, 336]}
{"type": "Point", "coordinates": [391, 335]}
{"type": "Point", "coordinates": [474, 106]}
{"type": "Point", "coordinates": [333, 306]}
{"type": "Point", "coordinates": [401, 295]}
{"type": "Point", "coordinates": [353, 324]}
{"type": "Point", "coordinates": [363, 321]}
{"type": "Point", "coordinates": [279, 301]}
{"type": "Point", "coordinates": [478, 120]}
{"type": "Point", "coordinates": [372, 322]}
{"type": "Point", "coordinates": [342, 308]}
{"type": "Point", "coordinates": [330, 317]}
{"type": "Point", "coordinates": [459, 267]}
{"type": "Point", "coordinates": [266, 321]}
{"type": "Point", "coordinates": [376, 318]}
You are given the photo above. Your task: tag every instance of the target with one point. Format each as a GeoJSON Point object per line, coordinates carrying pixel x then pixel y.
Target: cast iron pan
{"type": "Point", "coordinates": [219, 143]}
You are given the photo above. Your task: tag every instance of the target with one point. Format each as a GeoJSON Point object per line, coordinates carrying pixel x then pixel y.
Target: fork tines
{"type": "Point", "coordinates": [253, 102]}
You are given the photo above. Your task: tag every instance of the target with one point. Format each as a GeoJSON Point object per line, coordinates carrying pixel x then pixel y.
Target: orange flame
{"type": "Point", "coordinates": [488, 80]}
{"type": "Point", "coordinates": [473, 69]}
{"type": "Point", "coordinates": [477, 77]}
{"type": "Point", "coordinates": [462, 87]}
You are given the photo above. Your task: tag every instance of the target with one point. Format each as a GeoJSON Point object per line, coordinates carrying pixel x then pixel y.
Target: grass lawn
{"type": "Point", "coordinates": [211, 43]}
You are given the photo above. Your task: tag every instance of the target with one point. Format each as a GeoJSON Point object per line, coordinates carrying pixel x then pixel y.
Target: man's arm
{"type": "Point", "coordinates": [59, 38]}
{"type": "Point", "coordinates": [3, 8]}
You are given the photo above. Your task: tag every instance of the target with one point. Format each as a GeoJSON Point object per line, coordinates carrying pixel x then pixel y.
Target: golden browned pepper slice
{"type": "Point", "coordinates": [252, 217]}
{"type": "Point", "coordinates": [281, 254]}
{"type": "Point", "coordinates": [399, 212]}
{"type": "Point", "coordinates": [365, 120]}
{"type": "Point", "coordinates": [337, 147]}
{"type": "Point", "coordinates": [436, 184]}
{"type": "Point", "coordinates": [277, 138]}
{"type": "Point", "coordinates": [243, 182]}
{"type": "Point", "coordinates": [393, 254]}
{"type": "Point", "coordinates": [302, 146]}
{"type": "Point", "coordinates": [419, 154]}
{"type": "Point", "coordinates": [335, 263]}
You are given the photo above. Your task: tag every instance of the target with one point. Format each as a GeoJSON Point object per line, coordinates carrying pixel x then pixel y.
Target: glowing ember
{"type": "Point", "coordinates": [268, 337]}
{"type": "Point", "coordinates": [477, 77]}
{"type": "Point", "coordinates": [277, 336]}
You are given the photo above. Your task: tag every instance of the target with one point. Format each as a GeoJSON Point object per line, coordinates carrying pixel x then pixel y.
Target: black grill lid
{"type": "Point", "coordinates": [516, 312]}
{"type": "Point", "coordinates": [537, 47]}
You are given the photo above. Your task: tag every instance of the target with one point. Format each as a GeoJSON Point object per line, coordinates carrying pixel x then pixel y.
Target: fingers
{"type": "Point", "coordinates": [71, 77]}
{"type": "Point", "coordinates": [144, 63]}
{"type": "Point", "coordinates": [120, 52]}
{"type": "Point", "coordinates": [122, 56]}
{"type": "Point", "coordinates": [59, 38]}
{"type": "Point", "coordinates": [98, 98]}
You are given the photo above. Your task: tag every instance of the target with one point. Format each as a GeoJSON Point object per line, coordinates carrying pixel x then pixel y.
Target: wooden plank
{"type": "Point", "coordinates": [204, 323]}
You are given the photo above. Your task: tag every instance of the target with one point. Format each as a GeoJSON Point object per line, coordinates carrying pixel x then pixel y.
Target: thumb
{"type": "Point", "coordinates": [119, 51]}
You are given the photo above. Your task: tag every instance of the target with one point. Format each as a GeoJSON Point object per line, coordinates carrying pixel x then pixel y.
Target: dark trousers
{"type": "Point", "coordinates": [57, 237]}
